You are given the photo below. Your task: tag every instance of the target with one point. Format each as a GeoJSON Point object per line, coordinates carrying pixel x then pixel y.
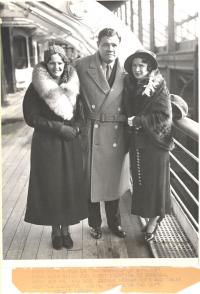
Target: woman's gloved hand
{"type": "Point", "coordinates": [68, 132]}
{"type": "Point", "coordinates": [130, 121]}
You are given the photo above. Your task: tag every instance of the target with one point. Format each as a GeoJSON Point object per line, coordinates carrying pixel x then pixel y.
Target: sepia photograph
{"type": "Point", "coordinates": [99, 146]}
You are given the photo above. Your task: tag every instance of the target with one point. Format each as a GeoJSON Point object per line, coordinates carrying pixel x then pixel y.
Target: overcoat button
{"type": "Point", "coordinates": [116, 127]}
{"type": "Point", "coordinates": [114, 144]}
{"type": "Point", "coordinates": [119, 109]}
{"type": "Point", "coordinates": [93, 106]}
{"type": "Point", "coordinates": [96, 126]}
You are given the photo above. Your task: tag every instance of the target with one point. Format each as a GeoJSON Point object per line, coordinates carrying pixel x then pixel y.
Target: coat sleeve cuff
{"type": "Point", "coordinates": [137, 122]}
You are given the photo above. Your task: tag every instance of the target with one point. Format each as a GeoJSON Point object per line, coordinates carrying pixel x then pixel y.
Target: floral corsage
{"type": "Point", "coordinates": [155, 79]}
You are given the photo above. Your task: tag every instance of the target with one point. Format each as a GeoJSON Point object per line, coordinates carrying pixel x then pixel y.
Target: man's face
{"type": "Point", "coordinates": [108, 48]}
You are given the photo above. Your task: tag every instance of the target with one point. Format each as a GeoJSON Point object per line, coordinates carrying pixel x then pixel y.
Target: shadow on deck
{"type": "Point", "coordinates": [22, 240]}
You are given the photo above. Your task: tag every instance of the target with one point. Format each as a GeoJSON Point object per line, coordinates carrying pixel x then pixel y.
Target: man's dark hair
{"type": "Point", "coordinates": [108, 32]}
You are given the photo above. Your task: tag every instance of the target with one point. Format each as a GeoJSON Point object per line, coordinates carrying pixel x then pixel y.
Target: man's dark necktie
{"type": "Point", "coordinates": [108, 71]}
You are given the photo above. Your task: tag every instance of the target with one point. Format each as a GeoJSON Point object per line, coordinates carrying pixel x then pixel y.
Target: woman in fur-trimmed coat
{"type": "Point", "coordinates": [149, 109]}
{"type": "Point", "coordinates": [56, 195]}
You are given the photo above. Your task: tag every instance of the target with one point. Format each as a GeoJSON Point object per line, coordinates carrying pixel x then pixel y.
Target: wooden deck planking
{"type": "Point", "coordinates": [15, 187]}
{"type": "Point", "coordinates": [60, 254]}
{"type": "Point", "coordinates": [17, 244]}
{"type": "Point", "coordinates": [15, 156]}
{"type": "Point", "coordinates": [114, 247]}
{"type": "Point", "coordinates": [89, 244]}
{"type": "Point", "coordinates": [135, 244]}
{"type": "Point", "coordinates": [13, 111]}
{"type": "Point", "coordinates": [119, 249]}
{"type": "Point", "coordinates": [104, 246]}
{"type": "Point", "coordinates": [45, 249]}
{"type": "Point", "coordinates": [13, 222]}
{"type": "Point", "coordinates": [32, 243]}
{"type": "Point", "coordinates": [22, 240]}
{"type": "Point", "coordinates": [10, 133]}
{"type": "Point", "coordinates": [77, 236]}
{"type": "Point", "coordinates": [18, 178]}
{"type": "Point", "coordinates": [75, 254]}
{"type": "Point", "coordinates": [12, 163]}
{"type": "Point", "coordinates": [15, 198]}
{"type": "Point", "coordinates": [15, 142]}
{"type": "Point", "coordinates": [20, 172]}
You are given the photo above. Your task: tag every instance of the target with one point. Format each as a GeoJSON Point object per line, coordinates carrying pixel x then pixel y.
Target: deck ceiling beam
{"type": "Point", "coordinates": [54, 25]}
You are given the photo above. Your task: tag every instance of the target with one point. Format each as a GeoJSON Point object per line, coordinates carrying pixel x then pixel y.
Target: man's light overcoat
{"type": "Point", "coordinates": [104, 140]}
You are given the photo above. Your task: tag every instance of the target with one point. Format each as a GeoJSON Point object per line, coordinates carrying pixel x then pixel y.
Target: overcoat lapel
{"type": "Point", "coordinates": [117, 86]}
{"type": "Point", "coordinates": [96, 74]}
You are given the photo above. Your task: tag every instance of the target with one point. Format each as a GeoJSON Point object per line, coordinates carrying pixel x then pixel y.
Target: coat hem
{"type": "Point", "coordinates": [47, 223]}
{"type": "Point", "coordinates": [110, 198]}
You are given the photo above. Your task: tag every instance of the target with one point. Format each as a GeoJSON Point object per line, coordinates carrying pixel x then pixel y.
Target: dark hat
{"type": "Point", "coordinates": [141, 53]}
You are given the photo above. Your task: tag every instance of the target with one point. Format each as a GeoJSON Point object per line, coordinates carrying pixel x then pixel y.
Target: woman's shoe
{"type": "Point", "coordinates": [67, 241]}
{"type": "Point", "coordinates": [159, 220]}
{"type": "Point", "coordinates": [56, 237]}
{"type": "Point", "coordinates": [150, 236]}
{"type": "Point", "coordinates": [96, 232]}
{"type": "Point", "coordinates": [57, 241]}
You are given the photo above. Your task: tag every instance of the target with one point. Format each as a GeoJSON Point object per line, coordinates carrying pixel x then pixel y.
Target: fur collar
{"type": "Point", "coordinates": [154, 81]}
{"type": "Point", "coordinates": [61, 99]}
{"type": "Point", "coordinates": [150, 84]}
{"type": "Point", "coordinates": [145, 87]}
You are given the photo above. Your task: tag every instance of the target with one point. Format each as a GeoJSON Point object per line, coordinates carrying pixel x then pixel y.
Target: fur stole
{"type": "Point", "coordinates": [156, 118]}
{"type": "Point", "coordinates": [61, 99]}
{"type": "Point", "coordinates": [146, 86]}
{"type": "Point", "coordinates": [154, 80]}
{"type": "Point", "coordinates": [150, 103]}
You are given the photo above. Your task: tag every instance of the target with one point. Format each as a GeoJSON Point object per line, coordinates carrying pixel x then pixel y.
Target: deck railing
{"type": "Point", "coordinates": [184, 177]}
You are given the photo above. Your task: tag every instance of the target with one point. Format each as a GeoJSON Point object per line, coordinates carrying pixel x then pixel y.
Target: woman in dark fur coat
{"type": "Point", "coordinates": [56, 195]}
{"type": "Point", "coordinates": [149, 110]}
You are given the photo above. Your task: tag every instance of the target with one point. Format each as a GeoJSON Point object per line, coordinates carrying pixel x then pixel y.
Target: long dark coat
{"type": "Point", "coordinates": [106, 156]}
{"type": "Point", "coordinates": [56, 194]}
{"type": "Point", "coordinates": [150, 142]}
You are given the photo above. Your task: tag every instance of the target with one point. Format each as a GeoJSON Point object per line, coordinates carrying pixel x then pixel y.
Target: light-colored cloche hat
{"type": "Point", "coordinates": [55, 49]}
{"type": "Point", "coordinates": [140, 53]}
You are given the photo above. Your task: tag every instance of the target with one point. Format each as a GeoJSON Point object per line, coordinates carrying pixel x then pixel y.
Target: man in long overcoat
{"type": "Point", "coordinates": [106, 158]}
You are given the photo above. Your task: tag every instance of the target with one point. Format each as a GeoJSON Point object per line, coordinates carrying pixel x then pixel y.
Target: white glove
{"type": "Point", "coordinates": [130, 120]}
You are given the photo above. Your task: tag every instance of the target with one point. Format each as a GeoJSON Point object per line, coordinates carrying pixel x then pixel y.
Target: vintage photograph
{"type": "Point", "coordinates": [99, 130]}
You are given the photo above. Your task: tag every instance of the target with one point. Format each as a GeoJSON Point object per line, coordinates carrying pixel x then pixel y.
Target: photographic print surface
{"type": "Point", "coordinates": [30, 262]}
